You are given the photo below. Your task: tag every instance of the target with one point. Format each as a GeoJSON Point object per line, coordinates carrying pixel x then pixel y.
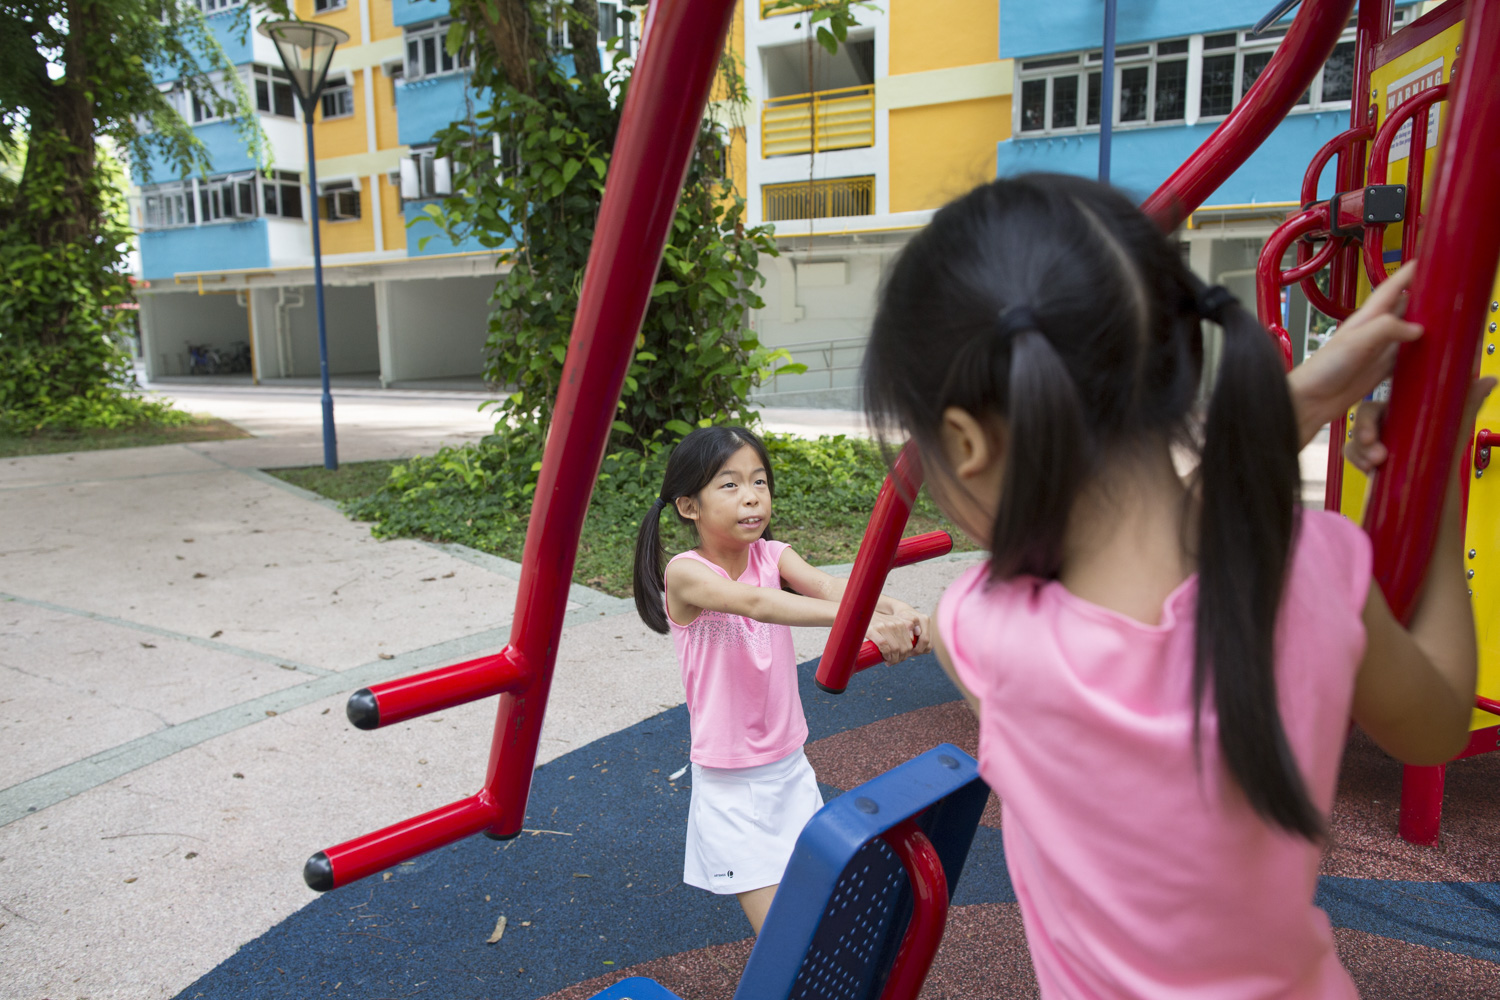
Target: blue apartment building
{"type": "Point", "coordinates": [1180, 68]}
{"type": "Point", "coordinates": [226, 259]}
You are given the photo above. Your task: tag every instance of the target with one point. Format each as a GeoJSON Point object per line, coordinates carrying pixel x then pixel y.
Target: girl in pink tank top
{"type": "Point", "coordinates": [1163, 665]}
{"type": "Point", "coordinates": [724, 604]}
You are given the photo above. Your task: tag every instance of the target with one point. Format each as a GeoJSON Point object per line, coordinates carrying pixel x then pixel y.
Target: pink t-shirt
{"type": "Point", "coordinates": [741, 676]}
{"type": "Point", "coordinates": [1138, 874]}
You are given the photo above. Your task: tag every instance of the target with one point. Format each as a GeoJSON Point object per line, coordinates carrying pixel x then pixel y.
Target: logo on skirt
{"type": "Point", "coordinates": [729, 874]}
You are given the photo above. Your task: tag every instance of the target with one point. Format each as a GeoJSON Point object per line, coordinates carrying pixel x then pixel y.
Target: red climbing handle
{"type": "Point", "coordinates": [929, 915]}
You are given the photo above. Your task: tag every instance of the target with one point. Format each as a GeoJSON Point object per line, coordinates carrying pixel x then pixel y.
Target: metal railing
{"type": "Point", "coordinates": [828, 351]}
{"type": "Point", "coordinates": [818, 122]}
{"type": "Point", "coordinates": [826, 199]}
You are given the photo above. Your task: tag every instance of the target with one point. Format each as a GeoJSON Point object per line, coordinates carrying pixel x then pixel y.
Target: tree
{"type": "Point", "coordinates": [78, 72]}
{"type": "Point", "coordinates": [530, 169]}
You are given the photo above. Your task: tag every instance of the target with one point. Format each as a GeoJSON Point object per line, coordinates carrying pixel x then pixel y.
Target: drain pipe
{"type": "Point", "coordinates": [283, 328]}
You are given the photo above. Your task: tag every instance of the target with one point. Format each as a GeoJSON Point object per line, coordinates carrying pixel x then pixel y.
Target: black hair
{"type": "Point", "coordinates": [1054, 303]}
{"type": "Point", "coordinates": [693, 464]}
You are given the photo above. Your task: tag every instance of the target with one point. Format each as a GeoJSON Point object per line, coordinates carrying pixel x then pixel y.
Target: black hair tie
{"type": "Point", "coordinates": [1017, 319]}
{"type": "Point", "coordinates": [658, 504]}
{"type": "Point", "coordinates": [1213, 300]}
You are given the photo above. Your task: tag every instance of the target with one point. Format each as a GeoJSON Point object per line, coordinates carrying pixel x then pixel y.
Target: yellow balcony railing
{"type": "Point", "coordinates": [766, 8]}
{"type": "Point", "coordinates": [828, 199]}
{"type": "Point", "coordinates": [817, 123]}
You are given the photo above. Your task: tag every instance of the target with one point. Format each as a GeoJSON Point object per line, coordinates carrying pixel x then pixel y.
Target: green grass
{"type": "Point", "coordinates": [352, 481]}
{"type": "Point", "coordinates": [50, 442]}
{"type": "Point", "coordinates": [824, 497]}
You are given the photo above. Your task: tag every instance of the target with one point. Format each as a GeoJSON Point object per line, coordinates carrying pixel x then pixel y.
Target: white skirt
{"type": "Point", "coordinates": [743, 822]}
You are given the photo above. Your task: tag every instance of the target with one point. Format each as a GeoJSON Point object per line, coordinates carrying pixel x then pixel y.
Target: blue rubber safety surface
{"type": "Point", "coordinates": [608, 894]}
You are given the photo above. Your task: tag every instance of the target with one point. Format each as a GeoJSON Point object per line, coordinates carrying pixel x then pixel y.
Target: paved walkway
{"type": "Point", "coordinates": [178, 635]}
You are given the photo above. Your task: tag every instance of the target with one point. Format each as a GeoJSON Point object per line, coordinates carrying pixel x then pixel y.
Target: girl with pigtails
{"type": "Point", "coordinates": [723, 603]}
{"type": "Point", "coordinates": [1164, 648]}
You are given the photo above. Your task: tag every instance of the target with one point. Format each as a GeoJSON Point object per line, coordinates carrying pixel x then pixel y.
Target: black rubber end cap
{"type": "Point", "coordinates": [498, 836]}
{"type": "Point", "coordinates": [363, 710]}
{"type": "Point", "coordinates": [826, 689]}
{"type": "Point", "coordinates": [318, 873]}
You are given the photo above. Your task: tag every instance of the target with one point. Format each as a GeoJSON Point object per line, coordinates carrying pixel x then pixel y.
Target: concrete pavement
{"type": "Point", "coordinates": [178, 634]}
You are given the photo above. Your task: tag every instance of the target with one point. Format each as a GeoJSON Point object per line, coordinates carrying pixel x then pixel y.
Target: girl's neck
{"type": "Point", "coordinates": [727, 553]}
{"type": "Point", "coordinates": [1125, 545]}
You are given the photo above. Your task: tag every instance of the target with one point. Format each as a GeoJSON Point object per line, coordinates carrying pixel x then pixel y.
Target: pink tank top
{"type": "Point", "coordinates": [1139, 874]}
{"type": "Point", "coordinates": [740, 676]}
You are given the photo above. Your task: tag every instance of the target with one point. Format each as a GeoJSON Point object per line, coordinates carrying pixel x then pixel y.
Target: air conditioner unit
{"type": "Point", "coordinates": [411, 180]}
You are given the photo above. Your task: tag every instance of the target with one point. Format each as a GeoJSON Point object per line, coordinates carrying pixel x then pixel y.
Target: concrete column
{"type": "Point", "coordinates": [149, 338]}
{"type": "Point", "coordinates": [383, 331]}
{"type": "Point", "coordinates": [263, 332]}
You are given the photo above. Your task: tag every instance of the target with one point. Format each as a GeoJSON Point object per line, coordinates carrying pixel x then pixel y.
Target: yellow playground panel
{"type": "Point", "coordinates": [1402, 76]}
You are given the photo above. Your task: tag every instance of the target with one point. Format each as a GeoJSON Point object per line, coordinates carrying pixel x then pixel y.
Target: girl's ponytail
{"type": "Point", "coordinates": [1046, 455]}
{"type": "Point", "coordinates": [1250, 482]}
{"type": "Point", "coordinates": [649, 579]}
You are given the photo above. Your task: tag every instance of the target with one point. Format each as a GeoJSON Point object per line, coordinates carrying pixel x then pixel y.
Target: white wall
{"type": "Point", "coordinates": [352, 344]}
{"type": "Point", "coordinates": [435, 327]}
{"type": "Point", "coordinates": [172, 320]}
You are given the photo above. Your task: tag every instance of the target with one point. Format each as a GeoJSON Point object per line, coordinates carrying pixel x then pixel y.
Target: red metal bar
{"type": "Point", "coordinates": [920, 548]}
{"type": "Point", "coordinates": [1449, 296]}
{"type": "Point", "coordinates": [354, 859]}
{"type": "Point", "coordinates": [1380, 154]}
{"type": "Point", "coordinates": [929, 915]}
{"type": "Point", "coordinates": [911, 550]}
{"type": "Point", "coordinates": [409, 697]}
{"type": "Point", "coordinates": [1301, 54]}
{"type": "Point", "coordinates": [1483, 740]}
{"type": "Point", "coordinates": [1268, 275]}
{"type": "Point", "coordinates": [658, 131]}
{"type": "Point", "coordinates": [1315, 263]}
{"type": "Point", "coordinates": [877, 551]}
{"type": "Point", "coordinates": [1344, 145]}
{"type": "Point", "coordinates": [1421, 804]}
{"type": "Point", "coordinates": [1416, 165]}
{"type": "Point", "coordinates": [1371, 30]}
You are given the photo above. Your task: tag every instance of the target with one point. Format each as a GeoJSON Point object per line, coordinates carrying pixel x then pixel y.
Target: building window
{"type": "Point", "coordinates": [320, 6]}
{"type": "Point", "coordinates": [223, 199]}
{"type": "Point", "coordinates": [614, 23]}
{"type": "Point", "coordinates": [168, 206]}
{"type": "Point", "coordinates": [427, 52]}
{"type": "Point", "coordinates": [426, 175]}
{"type": "Point", "coordinates": [1062, 93]}
{"type": "Point", "coordinates": [213, 6]}
{"type": "Point", "coordinates": [338, 101]}
{"type": "Point", "coordinates": [281, 194]}
{"type": "Point", "coordinates": [340, 201]}
{"type": "Point", "coordinates": [273, 91]}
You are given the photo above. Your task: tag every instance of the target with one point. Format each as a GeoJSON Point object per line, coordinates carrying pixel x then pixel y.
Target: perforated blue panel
{"type": "Point", "coordinates": [861, 929]}
{"type": "Point", "coordinates": [843, 905]}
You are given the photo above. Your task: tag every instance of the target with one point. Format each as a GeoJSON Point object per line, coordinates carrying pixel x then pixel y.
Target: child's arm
{"type": "Point", "coordinates": [1415, 687]}
{"type": "Point", "coordinates": [693, 587]}
{"type": "Point", "coordinates": [1355, 359]}
{"type": "Point", "coordinates": [948, 668]}
{"type": "Point", "coordinates": [807, 579]}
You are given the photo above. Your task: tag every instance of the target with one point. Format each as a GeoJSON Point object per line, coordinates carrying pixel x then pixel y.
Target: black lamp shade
{"type": "Point", "coordinates": [306, 49]}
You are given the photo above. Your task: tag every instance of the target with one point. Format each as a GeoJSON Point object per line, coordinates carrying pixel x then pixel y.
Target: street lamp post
{"type": "Point", "coordinates": [306, 49]}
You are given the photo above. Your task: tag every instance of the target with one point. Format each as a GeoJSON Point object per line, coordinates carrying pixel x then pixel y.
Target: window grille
{"type": "Point", "coordinates": [273, 91]}
{"type": "Point", "coordinates": [338, 101]}
{"type": "Point", "coordinates": [427, 52]}
{"type": "Point", "coordinates": [826, 199]}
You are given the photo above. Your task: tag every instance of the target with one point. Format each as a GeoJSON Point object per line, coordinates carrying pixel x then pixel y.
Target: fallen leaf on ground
{"type": "Point", "coordinates": [386, 877]}
{"type": "Point", "coordinates": [270, 711]}
{"type": "Point", "coordinates": [238, 774]}
{"type": "Point", "coordinates": [498, 932]}
{"type": "Point", "coordinates": [217, 634]}
{"type": "Point", "coordinates": [428, 579]}
{"type": "Point", "coordinates": [190, 855]}
{"type": "Point", "coordinates": [387, 656]}
{"type": "Point", "coordinates": [286, 666]}
{"type": "Point", "coordinates": [199, 576]}
{"type": "Point", "coordinates": [130, 879]}
{"type": "Point", "coordinates": [148, 645]}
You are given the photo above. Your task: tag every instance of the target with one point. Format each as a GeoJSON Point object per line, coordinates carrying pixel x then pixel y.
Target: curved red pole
{"type": "Point", "coordinates": [842, 653]}
{"type": "Point", "coordinates": [929, 915]}
{"type": "Point", "coordinates": [1449, 297]}
{"type": "Point", "coordinates": [658, 131]}
{"type": "Point", "coordinates": [1307, 45]}
{"type": "Point", "coordinates": [1380, 154]}
{"type": "Point", "coordinates": [1269, 278]}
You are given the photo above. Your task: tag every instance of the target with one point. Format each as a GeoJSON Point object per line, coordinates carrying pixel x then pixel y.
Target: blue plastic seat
{"type": "Point", "coordinates": [842, 909]}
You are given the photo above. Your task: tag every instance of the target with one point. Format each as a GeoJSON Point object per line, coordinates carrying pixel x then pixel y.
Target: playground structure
{"type": "Point", "coordinates": [1419, 86]}
{"type": "Point", "coordinates": [660, 119]}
